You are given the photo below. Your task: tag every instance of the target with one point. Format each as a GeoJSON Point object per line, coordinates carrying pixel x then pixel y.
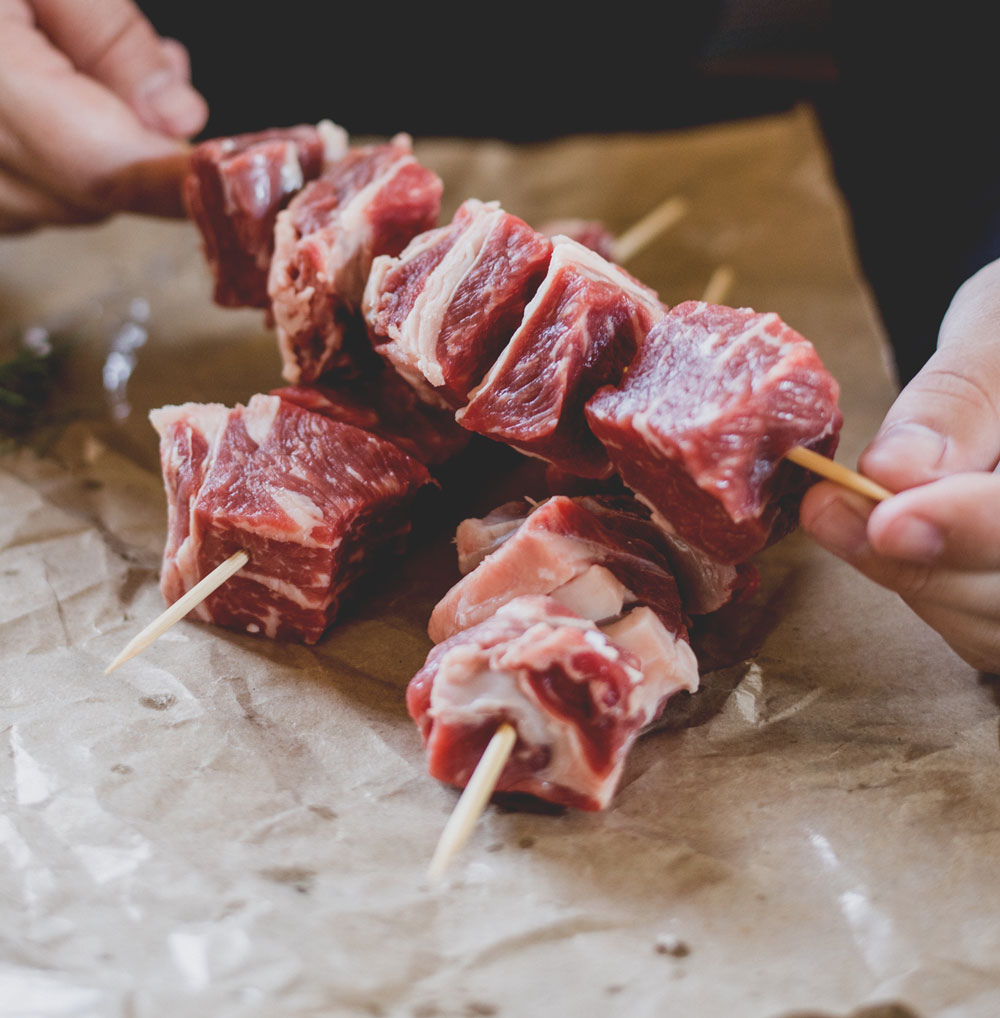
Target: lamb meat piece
{"type": "Point", "coordinates": [443, 310]}
{"type": "Point", "coordinates": [700, 424]}
{"type": "Point", "coordinates": [370, 202]}
{"type": "Point", "coordinates": [556, 545]}
{"type": "Point", "coordinates": [577, 699]}
{"type": "Point", "coordinates": [381, 402]}
{"type": "Point", "coordinates": [234, 189]}
{"type": "Point", "coordinates": [579, 332]}
{"type": "Point", "coordinates": [705, 585]}
{"type": "Point", "coordinates": [591, 233]}
{"type": "Point", "coordinates": [314, 502]}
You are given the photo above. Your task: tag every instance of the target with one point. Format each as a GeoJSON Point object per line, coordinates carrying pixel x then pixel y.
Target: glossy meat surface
{"type": "Point", "coordinates": [442, 311]}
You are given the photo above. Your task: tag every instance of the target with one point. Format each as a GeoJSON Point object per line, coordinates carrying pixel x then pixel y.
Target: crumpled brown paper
{"type": "Point", "coordinates": [231, 827]}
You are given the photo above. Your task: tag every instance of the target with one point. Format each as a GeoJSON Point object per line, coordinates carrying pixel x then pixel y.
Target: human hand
{"type": "Point", "coordinates": [937, 542]}
{"type": "Point", "coordinates": [94, 110]}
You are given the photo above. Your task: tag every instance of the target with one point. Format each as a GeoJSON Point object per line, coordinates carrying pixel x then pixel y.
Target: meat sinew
{"type": "Point", "coordinates": [371, 201]}
{"type": "Point", "coordinates": [698, 428]}
{"type": "Point", "coordinates": [314, 502]}
{"type": "Point", "coordinates": [234, 189]}
{"type": "Point", "coordinates": [443, 310]}
{"type": "Point", "coordinates": [578, 332]}
{"type": "Point", "coordinates": [577, 700]}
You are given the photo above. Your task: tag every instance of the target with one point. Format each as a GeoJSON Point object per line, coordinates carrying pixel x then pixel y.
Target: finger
{"type": "Point", "coordinates": [843, 523]}
{"type": "Point", "coordinates": [975, 638]}
{"type": "Point", "coordinates": [112, 42]}
{"type": "Point", "coordinates": [947, 420]}
{"type": "Point", "coordinates": [93, 153]}
{"type": "Point", "coordinates": [24, 206]}
{"type": "Point", "coordinates": [953, 522]}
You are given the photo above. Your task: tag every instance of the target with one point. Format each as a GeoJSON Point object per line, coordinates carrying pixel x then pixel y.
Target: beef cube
{"type": "Point", "coordinates": [579, 331]}
{"type": "Point", "coordinates": [371, 201]}
{"type": "Point", "coordinates": [235, 188]}
{"type": "Point", "coordinates": [314, 502]}
{"type": "Point", "coordinates": [443, 310]}
{"type": "Point", "coordinates": [700, 425]}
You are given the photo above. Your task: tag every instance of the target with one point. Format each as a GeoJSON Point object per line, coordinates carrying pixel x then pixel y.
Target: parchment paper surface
{"type": "Point", "coordinates": [228, 827]}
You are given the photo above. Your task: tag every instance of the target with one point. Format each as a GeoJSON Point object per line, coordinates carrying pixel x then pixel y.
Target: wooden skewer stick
{"type": "Point", "coordinates": [718, 285]}
{"type": "Point", "coordinates": [473, 799]}
{"type": "Point", "coordinates": [833, 471]}
{"type": "Point", "coordinates": [655, 222]}
{"type": "Point", "coordinates": [181, 607]}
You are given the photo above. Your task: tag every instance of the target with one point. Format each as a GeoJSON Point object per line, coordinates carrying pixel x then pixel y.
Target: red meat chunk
{"type": "Point", "coordinates": [382, 403]}
{"type": "Point", "coordinates": [443, 310]}
{"type": "Point", "coordinates": [235, 188]}
{"type": "Point", "coordinates": [314, 502]}
{"type": "Point", "coordinates": [700, 424]}
{"type": "Point", "coordinates": [579, 331]}
{"type": "Point", "coordinates": [576, 698]}
{"type": "Point", "coordinates": [372, 201]}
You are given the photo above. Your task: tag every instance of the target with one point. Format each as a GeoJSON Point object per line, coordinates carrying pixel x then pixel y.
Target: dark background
{"type": "Point", "coordinates": [906, 94]}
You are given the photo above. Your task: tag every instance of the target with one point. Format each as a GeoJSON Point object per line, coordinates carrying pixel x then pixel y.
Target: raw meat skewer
{"type": "Point", "coordinates": [300, 505]}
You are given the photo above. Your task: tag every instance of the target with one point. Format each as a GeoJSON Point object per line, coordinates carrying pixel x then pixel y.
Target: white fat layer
{"type": "Point", "coordinates": [335, 140]}
{"type": "Point", "coordinates": [422, 328]}
{"type": "Point", "coordinates": [299, 508]}
{"type": "Point", "coordinates": [207, 418]}
{"type": "Point", "coordinates": [594, 594]}
{"type": "Point", "coordinates": [291, 177]}
{"type": "Point", "coordinates": [668, 662]}
{"type": "Point", "coordinates": [258, 418]}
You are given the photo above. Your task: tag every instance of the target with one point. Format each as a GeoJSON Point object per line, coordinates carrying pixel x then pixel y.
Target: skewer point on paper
{"type": "Point", "coordinates": [473, 799]}
{"type": "Point", "coordinates": [180, 608]}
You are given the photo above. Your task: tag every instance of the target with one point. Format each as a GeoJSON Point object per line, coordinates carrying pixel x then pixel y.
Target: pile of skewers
{"type": "Point", "coordinates": [685, 428]}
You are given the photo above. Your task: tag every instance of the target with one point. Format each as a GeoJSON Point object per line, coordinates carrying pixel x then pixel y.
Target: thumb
{"type": "Point", "coordinates": [947, 420]}
{"type": "Point", "coordinates": [112, 42]}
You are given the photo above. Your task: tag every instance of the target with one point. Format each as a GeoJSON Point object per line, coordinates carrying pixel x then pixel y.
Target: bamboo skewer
{"type": "Point", "coordinates": [473, 799]}
{"type": "Point", "coordinates": [718, 285]}
{"type": "Point", "coordinates": [628, 244]}
{"type": "Point", "coordinates": [833, 471]}
{"type": "Point", "coordinates": [181, 607]}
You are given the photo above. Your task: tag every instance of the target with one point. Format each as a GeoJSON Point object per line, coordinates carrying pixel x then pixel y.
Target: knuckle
{"type": "Point", "coordinates": [117, 29]}
{"type": "Point", "coordinates": [969, 394]}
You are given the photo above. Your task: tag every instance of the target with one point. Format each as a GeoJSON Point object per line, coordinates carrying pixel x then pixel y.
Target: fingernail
{"type": "Point", "coordinates": [907, 443]}
{"type": "Point", "coordinates": [169, 104]}
{"type": "Point", "coordinates": [911, 538]}
{"type": "Point", "coordinates": [841, 528]}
